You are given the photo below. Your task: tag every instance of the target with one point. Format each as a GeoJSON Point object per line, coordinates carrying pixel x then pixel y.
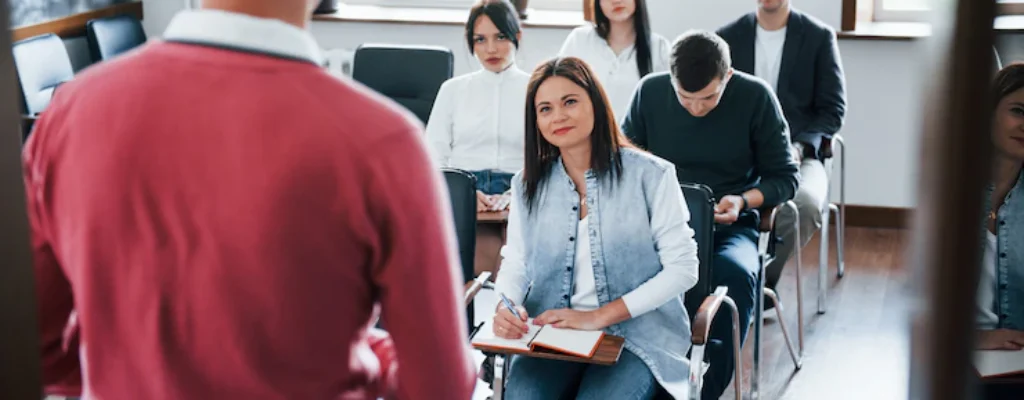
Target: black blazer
{"type": "Point", "coordinates": [811, 87]}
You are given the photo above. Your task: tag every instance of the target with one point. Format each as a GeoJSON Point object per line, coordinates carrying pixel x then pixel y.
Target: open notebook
{"type": "Point", "coordinates": [569, 341]}
{"type": "Point", "coordinates": [998, 363]}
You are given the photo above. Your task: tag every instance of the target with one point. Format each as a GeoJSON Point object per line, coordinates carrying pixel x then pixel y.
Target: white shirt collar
{"type": "Point", "coordinates": [244, 32]}
{"type": "Point", "coordinates": [501, 75]}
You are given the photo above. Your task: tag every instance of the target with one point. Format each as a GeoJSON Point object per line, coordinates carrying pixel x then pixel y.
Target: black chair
{"type": "Point", "coordinates": [409, 75]}
{"type": "Point", "coordinates": [42, 64]}
{"type": "Point", "coordinates": [112, 36]}
{"type": "Point", "coordinates": [701, 202]}
{"type": "Point", "coordinates": [462, 192]}
{"type": "Point", "coordinates": [704, 301]}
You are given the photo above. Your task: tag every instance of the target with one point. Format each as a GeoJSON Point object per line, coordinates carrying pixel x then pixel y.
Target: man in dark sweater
{"type": "Point", "coordinates": [725, 129]}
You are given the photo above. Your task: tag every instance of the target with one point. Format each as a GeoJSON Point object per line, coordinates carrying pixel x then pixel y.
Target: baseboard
{"type": "Point", "coordinates": [878, 217]}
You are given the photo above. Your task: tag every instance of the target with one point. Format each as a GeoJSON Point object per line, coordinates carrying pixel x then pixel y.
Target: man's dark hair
{"type": "Point", "coordinates": [698, 57]}
{"type": "Point", "coordinates": [501, 13]}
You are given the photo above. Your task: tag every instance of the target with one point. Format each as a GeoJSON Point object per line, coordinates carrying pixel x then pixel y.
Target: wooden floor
{"type": "Point", "coordinates": [858, 349]}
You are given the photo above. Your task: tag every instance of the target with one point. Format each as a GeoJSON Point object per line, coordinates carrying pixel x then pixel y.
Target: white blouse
{"type": "Point", "coordinates": [584, 295]}
{"type": "Point", "coordinates": [477, 121]}
{"type": "Point", "coordinates": [617, 73]}
{"type": "Point", "coordinates": [987, 318]}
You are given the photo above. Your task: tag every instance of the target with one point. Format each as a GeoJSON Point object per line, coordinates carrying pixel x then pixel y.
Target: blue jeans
{"type": "Point", "coordinates": [492, 182]}
{"type": "Point", "coordinates": [535, 378]}
{"type": "Point", "coordinates": [735, 266]}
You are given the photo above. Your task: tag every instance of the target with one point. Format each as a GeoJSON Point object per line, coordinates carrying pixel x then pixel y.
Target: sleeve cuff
{"type": "Point", "coordinates": [636, 304]}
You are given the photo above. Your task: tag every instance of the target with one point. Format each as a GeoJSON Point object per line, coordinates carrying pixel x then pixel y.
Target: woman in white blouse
{"type": "Point", "coordinates": [476, 124]}
{"type": "Point", "coordinates": [620, 48]}
{"type": "Point", "coordinates": [477, 120]}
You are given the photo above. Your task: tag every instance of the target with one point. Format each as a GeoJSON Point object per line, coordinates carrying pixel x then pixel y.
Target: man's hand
{"type": "Point", "coordinates": [1000, 339]}
{"type": "Point", "coordinates": [728, 209]}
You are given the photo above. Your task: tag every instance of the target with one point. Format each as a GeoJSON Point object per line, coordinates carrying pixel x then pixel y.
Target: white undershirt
{"type": "Point", "coordinates": [768, 55]}
{"type": "Point", "coordinates": [584, 296]}
{"type": "Point", "coordinates": [987, 318]}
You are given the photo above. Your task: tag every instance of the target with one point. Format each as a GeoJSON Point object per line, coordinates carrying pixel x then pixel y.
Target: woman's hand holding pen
{"type": "Point", "coordinates": [508, 325]}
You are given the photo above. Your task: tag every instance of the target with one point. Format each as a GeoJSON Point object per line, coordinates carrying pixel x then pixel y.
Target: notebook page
{"type": "Point", "coordinates": [996, 362]}
{"type": "Point", "coordinates": [570, 341]}
{"type": "Point", "coordinates": [486, 337]}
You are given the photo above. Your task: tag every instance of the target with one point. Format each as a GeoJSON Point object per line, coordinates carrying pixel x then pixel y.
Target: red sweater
{"type": "Point", "coordinates": [224, 223]}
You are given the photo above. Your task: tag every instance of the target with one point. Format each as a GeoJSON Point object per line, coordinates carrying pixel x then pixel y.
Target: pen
{"type": "Point", "coordinates": [509, 304]}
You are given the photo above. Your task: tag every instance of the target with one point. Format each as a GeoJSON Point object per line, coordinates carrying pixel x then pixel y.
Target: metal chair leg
{"type": "Point", "coordinates": [499, 377]}
{"type": "Point", "coordinates": [839, 239]}
{"type": "Point", "coordinates": [841, 218]}
{"type": "Point", "coordinates": [799, 280]}
{"type": "Point", "coordinates": [797, 355]}
{"type": "Point", "coordinates": [755, 373]}
{"type": "Point", "coordinates": [823, 261]}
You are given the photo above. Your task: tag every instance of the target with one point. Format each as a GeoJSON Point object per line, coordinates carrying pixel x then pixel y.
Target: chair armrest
{"type": "Point", "coordinates": [768, 218]}
{"type": "Point", "coordinates": [826, 148]}
{"type": "Point", "coordinates": [706, 314]}
{"type": "Point", "coordinates": [473, 287]}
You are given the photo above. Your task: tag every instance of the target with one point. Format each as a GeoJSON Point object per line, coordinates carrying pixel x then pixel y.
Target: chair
{"type": "Point", "coordinates": [767, 241]}
{"type": "Point", "coordinates": [704, 301]}
{"type": "Point", "coordinates": [828, 151]}
{"type": "Point", "coordinates": [42, 64]}
{"type": "Point", "coordinates": [112, 36]}
{"type": "Point", "coordinates": [462, 192]}
{"type": "Point", "coordinates": [409, 75]}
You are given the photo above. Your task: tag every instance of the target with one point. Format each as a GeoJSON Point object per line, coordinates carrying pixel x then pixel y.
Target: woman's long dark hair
{"type": "Point", "coordinates": [642, 44]}
{"type": "Point", "coordinates": [605, 140]}
{"type": "Point", "coordinates": [1007, 80]}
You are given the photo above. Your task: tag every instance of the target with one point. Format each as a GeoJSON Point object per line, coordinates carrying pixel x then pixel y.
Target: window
{"type": "Point", "coordinates": [917, 10]}
{"type": "Point", "coordinates": [559, 5]}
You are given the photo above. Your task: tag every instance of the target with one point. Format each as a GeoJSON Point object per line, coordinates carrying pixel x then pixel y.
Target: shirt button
{"type": "Point", "coordinates": [1002, 223]}
{"type": "Point", "coordinates": [1002, 255]}
{"type": "Point", "coordinates": [574, 208]}
{"type": "Point", "coordinates": [566, 297]}
{"type": "Point", "coordinates": [1004, 316]}
{"type": "Point", "coordinates": [1003, 285]}
{"type": "Point", "coordinates": [572, 239]}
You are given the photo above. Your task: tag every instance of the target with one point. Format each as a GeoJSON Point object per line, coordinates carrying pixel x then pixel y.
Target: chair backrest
{"type": "Point", "coordinates": [409, 75]}
{"type": "Point", "coordinates": [462, 192]}
{"type": "Point", "coordinates": [42, 63]}
{"type": "Point", "coordinates": [109, 37]}
{"type": "Point", "coordinates": [701, 202]}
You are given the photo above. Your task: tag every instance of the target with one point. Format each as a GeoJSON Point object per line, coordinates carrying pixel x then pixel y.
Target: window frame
{"type": "Point", "coordinates": [553, 5]}
{"type": "Point", "coordinates": [881, 14]}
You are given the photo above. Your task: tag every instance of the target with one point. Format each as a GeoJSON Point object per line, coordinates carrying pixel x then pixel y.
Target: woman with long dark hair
{"type": "Point", "coordinates": [1001, 294]}
{"type": "Point", "coordinates": [619, 47]}
{"type": "Point", "coordinates": [598, 230]}
{"type": "Point", "coordinates": [477, 121]}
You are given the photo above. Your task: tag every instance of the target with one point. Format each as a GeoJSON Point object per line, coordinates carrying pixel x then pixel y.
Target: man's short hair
{"type": "Point", "coordinates": [698, 57]}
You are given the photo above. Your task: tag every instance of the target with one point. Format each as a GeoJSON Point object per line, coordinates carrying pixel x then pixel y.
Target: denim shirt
{"type": "Point", "coordinates": [1009, 257]}
{"type": "Point", "coordinates": [623, 251]}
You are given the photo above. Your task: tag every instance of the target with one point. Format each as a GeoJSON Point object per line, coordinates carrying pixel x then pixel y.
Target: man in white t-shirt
{"type": "Point", "coordinates": [799, 58]}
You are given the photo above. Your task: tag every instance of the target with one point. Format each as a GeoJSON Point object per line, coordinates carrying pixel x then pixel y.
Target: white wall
{"type": "Point", "coordinates": [882, 126]}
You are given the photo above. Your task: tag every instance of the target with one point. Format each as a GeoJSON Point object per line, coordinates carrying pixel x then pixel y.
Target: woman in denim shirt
{"type": "Point", "coordinates": [1001, 294]}
{"type": "Point", "coordinates": [599, 231]}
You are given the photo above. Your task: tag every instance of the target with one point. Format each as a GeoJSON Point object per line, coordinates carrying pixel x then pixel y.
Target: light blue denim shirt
{"type": "Point", "coordinates": [642, 250]}
{"type": "Point", "coordinates": [1009, 258]}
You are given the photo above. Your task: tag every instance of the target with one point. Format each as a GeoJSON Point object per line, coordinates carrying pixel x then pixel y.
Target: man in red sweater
{"type": "Point", "coordinates": [216, 217]}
